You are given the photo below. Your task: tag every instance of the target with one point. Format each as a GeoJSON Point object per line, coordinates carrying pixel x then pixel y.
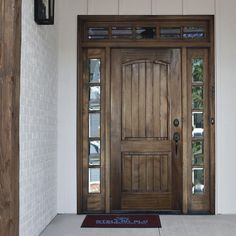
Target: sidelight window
{"type": "Point", "coordinates": [198, 183]}
{"type": "Point", "coordinates": [94, 110]}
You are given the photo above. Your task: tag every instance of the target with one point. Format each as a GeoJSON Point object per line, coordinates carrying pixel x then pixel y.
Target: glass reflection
{"type": "Point", "coordinates": [197, 124]}
{"type": "Point", "coordinates": [197, 97]}
{"type": "Point", "coordinates": [145, 32]}
{"type": "Point", "coordinates": [94, 125]}
{"type": "Point", "coordinates": [193, 32]}
{"type": "Point", "coordinates": [94, 153]}
{"type": "Point", "coordinates": [170, 33]}
{"type": "Point", "coordinates": [197, 153]}
{"type": "Point", "coordinates": [198, 180]}
{"type": "Point", "coordinates": [122, 32]}
{"type": "Point", "coordinates": [197, 70]}
{"type": "Point", "coordinates": [94, 70]}
{"type": "Point", "coordinates": [94, 98]}
{"type": "Point", "coordinates": [94, 180]}
{"type": "Point", "coordinates": [98, 33]}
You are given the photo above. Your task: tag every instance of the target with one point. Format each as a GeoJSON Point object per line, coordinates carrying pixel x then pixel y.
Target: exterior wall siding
{"type": "Point", "coordinates": [38, 124]}
{"type": "Point", "coordinates": [67, 90]}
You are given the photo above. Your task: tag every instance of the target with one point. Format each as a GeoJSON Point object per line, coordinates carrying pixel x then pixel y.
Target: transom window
{"type": "Point", "coordinates": [161, 31]}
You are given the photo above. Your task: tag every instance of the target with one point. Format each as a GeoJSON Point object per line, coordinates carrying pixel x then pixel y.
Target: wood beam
{"type": "Point", "coordinates": [10, 43]}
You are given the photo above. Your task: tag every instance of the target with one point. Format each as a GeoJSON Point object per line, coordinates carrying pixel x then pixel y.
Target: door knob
{"type": "Point", "coordinates": [176, 138]}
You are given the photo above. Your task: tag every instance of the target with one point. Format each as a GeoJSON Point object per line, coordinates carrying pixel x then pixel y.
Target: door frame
{"type": "Point", "coordinates": [10, 51]}
{"type": "Point", "coordinates": [107, 45]}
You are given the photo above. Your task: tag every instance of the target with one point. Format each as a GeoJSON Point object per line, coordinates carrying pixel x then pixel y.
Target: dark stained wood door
{"type": "Point", "coordinates": [146, 162]}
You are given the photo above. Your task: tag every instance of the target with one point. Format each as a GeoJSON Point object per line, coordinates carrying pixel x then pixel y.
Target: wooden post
{"type": "Point", "coordinates": [10, 41]}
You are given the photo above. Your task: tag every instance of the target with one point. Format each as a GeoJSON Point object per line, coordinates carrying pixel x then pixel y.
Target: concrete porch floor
{"type": "Point", "coordinates": [220, 225]}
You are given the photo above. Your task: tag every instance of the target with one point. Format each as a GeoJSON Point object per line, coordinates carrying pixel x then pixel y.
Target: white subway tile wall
{"type": "Point", "coordinates": [38, 124]}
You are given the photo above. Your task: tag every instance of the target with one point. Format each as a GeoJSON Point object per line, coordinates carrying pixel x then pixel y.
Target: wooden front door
{"type": "Point", "coordinates": [146, 114]}
{"type": "Point", "coordinates": [146, 170]}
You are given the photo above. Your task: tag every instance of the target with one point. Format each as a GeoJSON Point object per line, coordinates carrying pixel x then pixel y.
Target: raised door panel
{"type": "Point", "coordinates": [145, 100]}
{"type": "Point", "coordinates": [103, 7]}
{"type": "Point", "coordinates": [146, 181]}
{"type": "Point", "coordinates": [133, 7]}
{"type": "Point", "coordinates": [146, 172]}
{"type": "Point", "coordinates": [167, 7]}
{"type": "Point", "coordinates": [200, 7]}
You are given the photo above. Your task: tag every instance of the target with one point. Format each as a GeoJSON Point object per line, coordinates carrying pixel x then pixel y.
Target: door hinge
{"type": "Point", "coordinates": [86, 65]}
{"type": "Point", "coordinates": [212, 120]}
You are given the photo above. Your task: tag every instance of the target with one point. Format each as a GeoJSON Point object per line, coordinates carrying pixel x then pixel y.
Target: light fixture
{"type": "Point", "coordinates": [44, 12]}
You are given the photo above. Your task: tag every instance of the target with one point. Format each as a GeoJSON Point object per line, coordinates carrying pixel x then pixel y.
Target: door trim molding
{"type": "Point", "coordinates": [107, 45]}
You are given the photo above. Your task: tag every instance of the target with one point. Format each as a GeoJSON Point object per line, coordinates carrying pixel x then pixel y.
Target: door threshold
{"type": "Point", "coordinates": [158, 212]}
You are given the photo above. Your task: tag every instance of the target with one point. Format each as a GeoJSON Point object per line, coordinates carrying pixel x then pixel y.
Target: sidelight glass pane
{"type": "Point", "coordinates": [197, 153]}
{"type": "Point", "coordinates": [94, 98]}
{"type": "Point", "coordinates": [197, 97]}
{"type": "Point", "coordinates": [94, 153]}
{"type": "Point", "coordinates": [94, 180]}
{"type": "Point", "coordinates": [145, 32]}
{"type": "Point", "coordinates": [94, 70]}
{"type": "Point", "coordinates": [197, 70]}
{"type": "Point", "coordinates": [94, 125]}
{"type": "Point", "coordinates": [198, 180]}
{"type": "Point", "coordinates": [197, 124]}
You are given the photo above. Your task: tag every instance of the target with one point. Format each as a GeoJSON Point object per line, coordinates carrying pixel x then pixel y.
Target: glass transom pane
{"type": "Point", "coordinates": [122, 32]}
{"type": "Point", "coordinates": [98, 33]}
{"type": "Point", "coordinates": [145, 32]}
{"type": "Point", "coordinates": [193, 32]}
{"type": "Point", "coordinates": [170, 32]}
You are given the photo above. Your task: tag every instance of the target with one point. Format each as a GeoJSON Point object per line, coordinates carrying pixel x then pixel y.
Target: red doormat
{"type": "Point", "coordinates": [121, 221]}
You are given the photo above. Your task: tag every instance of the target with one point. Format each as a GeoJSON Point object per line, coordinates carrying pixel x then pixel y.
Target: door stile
{"type": "Point", "coordinates": [84, 131]}
{"type": "Point", "coordinates": [107, 127]}
{"type": "Point", "coordinates": [185, 125]}
{"type": "Point", "coordinates": [176, 113]}
{"type": "Point", "coordinates": [115, 144]}
{"type": "Point", "coordinates": [212, 117]}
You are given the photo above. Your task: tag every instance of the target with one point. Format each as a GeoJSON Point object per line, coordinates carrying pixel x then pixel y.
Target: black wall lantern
{"type": "Point", "coordinates": [44, 12]}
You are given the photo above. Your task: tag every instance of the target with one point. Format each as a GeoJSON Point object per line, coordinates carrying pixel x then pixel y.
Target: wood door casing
{"type": "Point", "coordinates": [145, 99]}
{"type": "Point", "coordinates": [109, 45]}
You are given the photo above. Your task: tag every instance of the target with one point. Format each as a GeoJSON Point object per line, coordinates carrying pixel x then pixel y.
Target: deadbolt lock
{"type": "Point", "coordinates": [176, 122]}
